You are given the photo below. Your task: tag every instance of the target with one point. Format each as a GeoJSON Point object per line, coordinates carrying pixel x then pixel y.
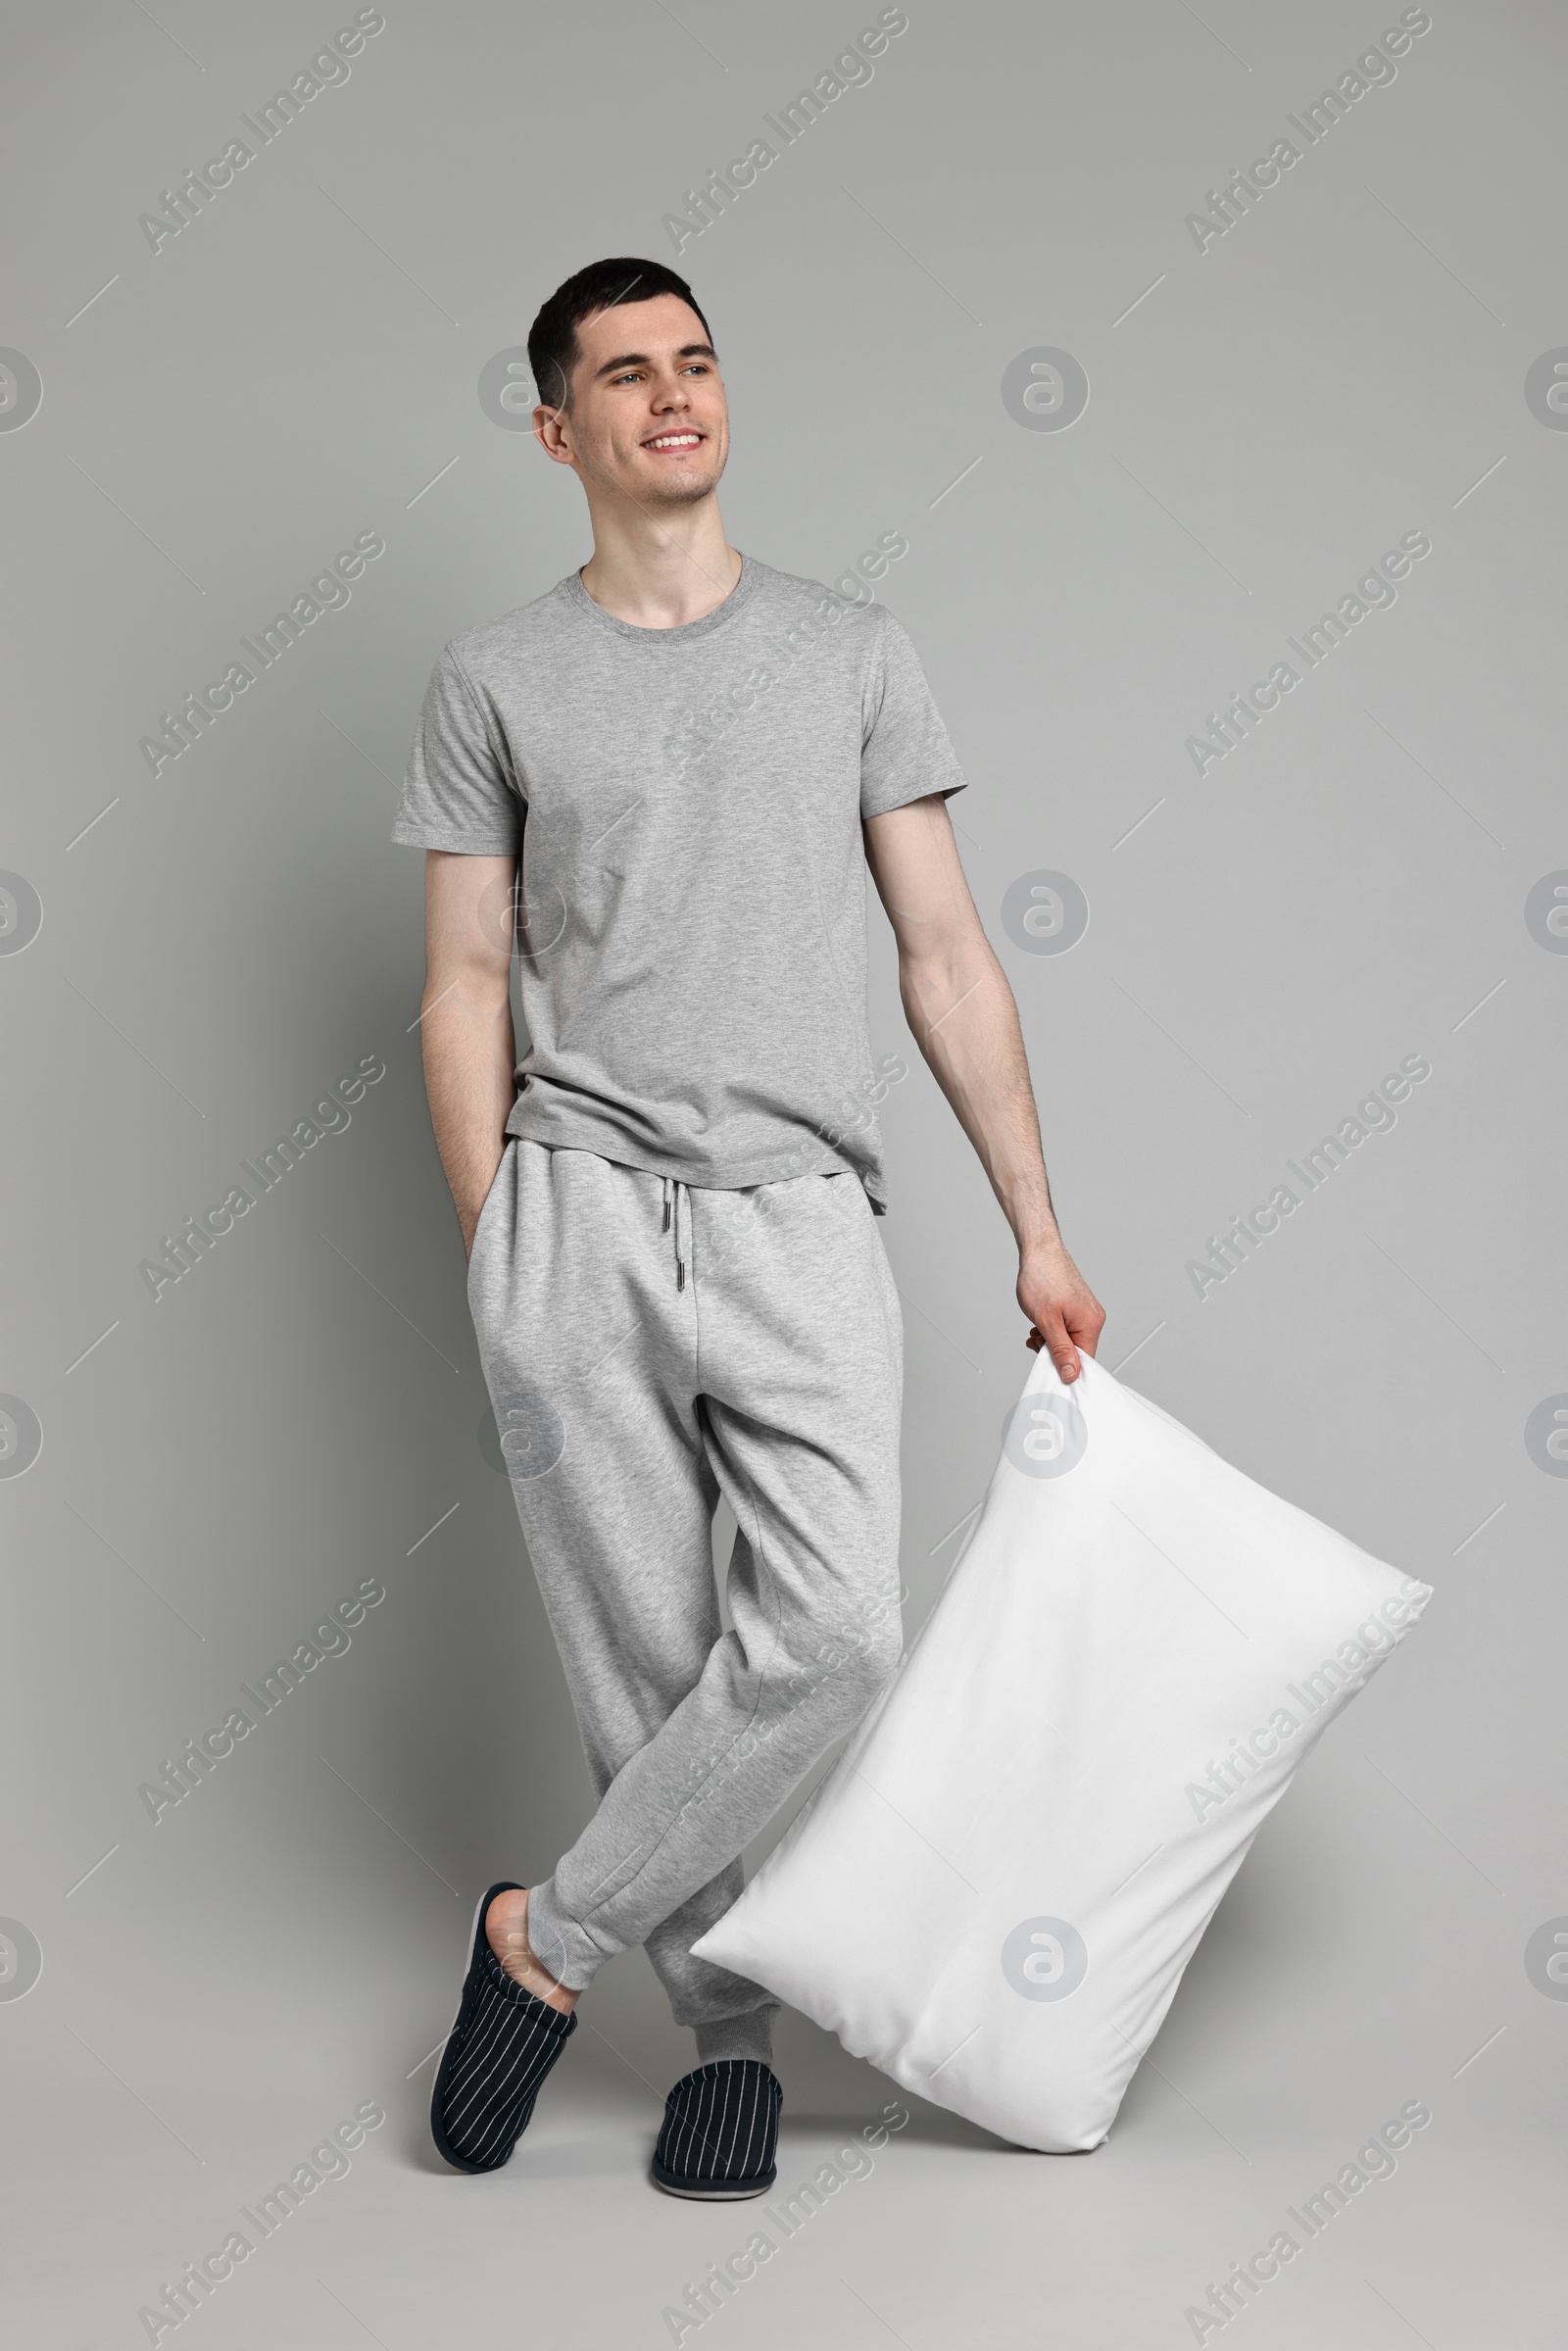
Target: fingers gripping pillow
{"type": "Point", "coordinates": [994, 1892]}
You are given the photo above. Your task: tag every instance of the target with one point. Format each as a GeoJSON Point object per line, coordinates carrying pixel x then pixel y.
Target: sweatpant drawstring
{"type": "Point", "coordinates": [674, 1188]}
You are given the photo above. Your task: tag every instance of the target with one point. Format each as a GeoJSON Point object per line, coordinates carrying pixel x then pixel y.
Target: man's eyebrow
{"type": "Point", "coordinates": [640, 359]}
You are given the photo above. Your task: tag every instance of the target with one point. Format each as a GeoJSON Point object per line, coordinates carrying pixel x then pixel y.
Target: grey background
{"type": "Point", "coordinates": [218, 943]}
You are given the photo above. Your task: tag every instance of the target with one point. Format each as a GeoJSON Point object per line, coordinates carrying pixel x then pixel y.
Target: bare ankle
{"type": "Point", "coordinates": [506, 1926]}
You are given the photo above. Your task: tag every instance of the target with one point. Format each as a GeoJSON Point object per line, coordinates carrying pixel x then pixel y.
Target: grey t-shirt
{"type": "Point", "coordinates": [686, 804]}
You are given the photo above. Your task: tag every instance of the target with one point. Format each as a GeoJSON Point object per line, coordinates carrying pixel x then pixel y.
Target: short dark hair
{"type": "Point", "coordinates": [552, 347]}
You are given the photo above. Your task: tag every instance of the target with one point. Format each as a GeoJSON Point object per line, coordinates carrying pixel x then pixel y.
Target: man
{"type": "Point", "coordinates": [677, 1286]}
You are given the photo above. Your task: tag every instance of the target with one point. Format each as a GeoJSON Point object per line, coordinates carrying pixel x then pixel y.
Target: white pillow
{"type": "Point", "coordinates": [994, 1892]}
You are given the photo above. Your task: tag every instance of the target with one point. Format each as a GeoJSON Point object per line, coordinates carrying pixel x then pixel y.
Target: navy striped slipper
{"type": "Point", "coordinates": [720, 2130]}
{"type": "Point", "coordinates": [501, 2046]}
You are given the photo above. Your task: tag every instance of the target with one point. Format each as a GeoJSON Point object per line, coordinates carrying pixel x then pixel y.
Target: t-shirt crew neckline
{"type": "Point", "coordinates": [685, 630]}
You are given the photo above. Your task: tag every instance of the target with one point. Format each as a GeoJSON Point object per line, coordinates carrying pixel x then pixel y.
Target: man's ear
{"type": "Point", "coordinates": [550, 434]}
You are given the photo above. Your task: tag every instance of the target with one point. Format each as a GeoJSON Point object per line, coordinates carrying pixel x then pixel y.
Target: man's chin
{"type": "Point", "coordinates": [686, 488]}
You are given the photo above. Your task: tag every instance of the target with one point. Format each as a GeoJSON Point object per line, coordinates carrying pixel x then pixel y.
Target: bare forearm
{"type": "Point", "coordinates": [962, 1017]}
{"type": "Point", "coordinates": [470, 1053]}
{"type": "Point", "coordinates": [961, 1014]}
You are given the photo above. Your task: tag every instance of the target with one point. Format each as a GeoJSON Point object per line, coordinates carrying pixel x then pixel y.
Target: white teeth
{"type": "Point", "coordinates": [676, 440]}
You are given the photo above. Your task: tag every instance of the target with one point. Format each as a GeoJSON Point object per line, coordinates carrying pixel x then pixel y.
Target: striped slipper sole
{"type": "Point", "coordinates": [501, 2046]}
{"type": "Point", "coordinates": [720, 2131]}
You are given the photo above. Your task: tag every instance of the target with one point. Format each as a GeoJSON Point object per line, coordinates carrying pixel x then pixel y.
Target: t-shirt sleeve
{"type": "Point", "coordinates": [459, 791]}
{"type": "Point", "coordinates": [905, 752]}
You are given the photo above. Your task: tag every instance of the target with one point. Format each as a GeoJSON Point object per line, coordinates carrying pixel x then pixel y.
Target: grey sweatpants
{"type": "Point", "coordinates": [649, 1346]}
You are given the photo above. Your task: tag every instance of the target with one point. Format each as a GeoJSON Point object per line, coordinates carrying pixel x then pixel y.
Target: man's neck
{"type": "Point", "coordinates": [661, 575]}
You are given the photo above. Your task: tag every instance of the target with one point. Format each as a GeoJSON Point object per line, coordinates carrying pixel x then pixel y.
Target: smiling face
{"type": "Point", "coordinates": [647, 413]}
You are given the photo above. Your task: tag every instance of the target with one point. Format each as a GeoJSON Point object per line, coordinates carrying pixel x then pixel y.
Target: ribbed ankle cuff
{"type": "Point", "coordinates": [558, 1942]}
{"type": "Point", "coordinates": [750, 2034]}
